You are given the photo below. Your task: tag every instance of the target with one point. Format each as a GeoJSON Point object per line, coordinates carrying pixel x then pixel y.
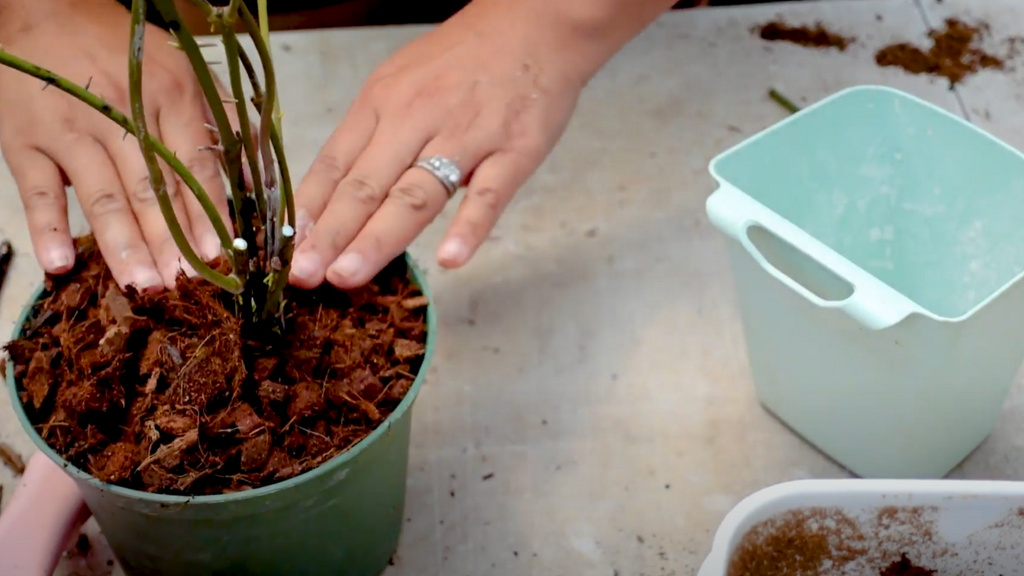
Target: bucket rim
{"type": "Point", "coordinates": [907, 97]}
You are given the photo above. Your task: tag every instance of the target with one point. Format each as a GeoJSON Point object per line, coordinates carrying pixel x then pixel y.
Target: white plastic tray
{"type": "Point", "coordinates": [958, 528]}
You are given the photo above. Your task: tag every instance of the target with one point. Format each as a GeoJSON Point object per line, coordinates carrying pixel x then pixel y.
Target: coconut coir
{"type": "Point", "coordinates": [954, 53]}
{"type": "Point", "coordinates": [816, 36]}
{"type": "Point", "coordinates": [164, 392]}
{"type": "Point", "coordinates": [799, 543]}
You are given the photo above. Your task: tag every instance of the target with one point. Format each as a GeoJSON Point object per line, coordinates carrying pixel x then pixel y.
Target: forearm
{"type": "Point", "coordinates": [588, 32]}
{"type": "Point", "coordinates": [17, 15]}
{"type": "Point", "coordinates": [20, 17]}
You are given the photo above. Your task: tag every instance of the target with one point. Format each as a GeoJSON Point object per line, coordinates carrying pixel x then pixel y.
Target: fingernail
{"type": "Point", "coordinates": [303, 226]}
{"type": "Point", "coordinates": [211, 248]}
{"type": "Point", "coordinates": [187, 268]}
{"type": "Point", "coordinates": [453, 252]}
{"type": "Point", "coordinates": [59, 259]}
{"type": "Point", "coordinates": [348, 265]}
{"type": "Point", "coordinates": [146, 278]}
{"type": "Point", "coordinates": [305, 266]}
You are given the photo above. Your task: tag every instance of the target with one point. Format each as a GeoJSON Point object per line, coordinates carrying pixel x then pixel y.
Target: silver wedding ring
{"type": "Point", "coordinates": [445, 170]}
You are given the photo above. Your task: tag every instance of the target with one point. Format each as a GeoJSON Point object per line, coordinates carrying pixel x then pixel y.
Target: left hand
{"type": "Point", "coordinates": [488, 89]}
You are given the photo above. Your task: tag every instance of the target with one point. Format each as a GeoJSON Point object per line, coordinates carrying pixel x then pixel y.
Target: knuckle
{"type": "Point", "coordinates": [105, 201]}
{"type": "Point", "coordinates": [177, 84]}
{"type": "Point", "coordinates": [40, 196]}
{"type": "Point", "coordinates": [362, 191]}
{"type": "Point", "coordinates": [378, 89]}
{"type": "Point", "coordinates": [327, 166]}
{"type": "Point", "coordinates": [204, 167]}
{"type": "Point", "coordinates": [487, 197]}
{"type": "Point", "coordinates": [413, 196]}
{"type": "Point", "coordinates": [173, 190]}
{"type": "Point", "coordinates": [142, 191]}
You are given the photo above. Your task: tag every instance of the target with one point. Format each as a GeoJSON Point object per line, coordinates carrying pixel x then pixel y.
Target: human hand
{"type": "Point", "coordinates": [48, 139]}
{"type": "Point", "coordinates": [488, 89]}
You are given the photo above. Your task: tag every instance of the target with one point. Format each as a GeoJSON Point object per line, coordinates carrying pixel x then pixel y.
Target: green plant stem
{"type": "Point", "coordinates": [264, 14]}
{"type": "Point", "coordinates": [254, 79]}
{"type": "Point", "coordinates": [275, 135]}
{"type": "Point", "coordinates": [228, 141]}
{"type": "Point", "coordinates": [269, 95]}
{"type": "Point", "coordinates": [231, 52]}
{"type": "Point", "coordinates": [156, 177]}
{"type": "Point", "coordinates": [783, 101]}
{"type": "Point", "coordinates": [96, 103]}
{"type": "Point", "coordinates": [268, 128]}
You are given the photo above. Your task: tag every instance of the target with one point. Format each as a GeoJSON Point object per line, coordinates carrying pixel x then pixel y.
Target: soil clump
{"type": "Point", "coordinates": [814, 36]}
{"type": "Point", "coordinates": [164, 392]}
{"type": "Point", "coordinates": [955, 53]}
{"type": "Point", "coordinates": [904, 567]}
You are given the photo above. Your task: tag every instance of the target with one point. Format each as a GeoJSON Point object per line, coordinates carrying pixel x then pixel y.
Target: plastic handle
{"type": "Point", "coordinates": [41, 520]}
{"type": "Point", "coordinates": [871, 303]}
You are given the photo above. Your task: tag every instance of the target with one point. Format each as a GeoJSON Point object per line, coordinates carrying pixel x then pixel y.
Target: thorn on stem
{"type": "Point", "coordinates": [229, 100]}
{"type": "Point", "coordinates": [212, 148]}
{"type": "Point", "coordinates": [88, 83]}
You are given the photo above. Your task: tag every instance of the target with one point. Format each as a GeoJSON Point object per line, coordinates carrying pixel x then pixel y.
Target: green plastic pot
{"type": "Point", "coordinates": [341, 519]}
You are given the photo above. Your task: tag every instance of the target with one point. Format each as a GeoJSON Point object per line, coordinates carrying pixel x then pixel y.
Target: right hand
{"type": "Point", "coordinates": [50, 139]}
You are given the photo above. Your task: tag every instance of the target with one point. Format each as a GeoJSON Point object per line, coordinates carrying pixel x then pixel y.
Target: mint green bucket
{"type": "Point", "coordinates": [877, 243]}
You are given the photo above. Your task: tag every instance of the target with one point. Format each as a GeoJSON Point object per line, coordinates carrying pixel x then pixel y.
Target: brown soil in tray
{"type": "Point", "coordinates": [816, 36]}
{"type": "Point", "coordinates": [828, 541]}
{"type": "Point", "coordinates": [955, 53]}
{"type": "Point", "coordinates": [163, 392]}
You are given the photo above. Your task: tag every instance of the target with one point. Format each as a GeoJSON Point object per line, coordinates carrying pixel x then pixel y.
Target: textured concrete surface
{"type": "Point", "coordinates": [592, 356]}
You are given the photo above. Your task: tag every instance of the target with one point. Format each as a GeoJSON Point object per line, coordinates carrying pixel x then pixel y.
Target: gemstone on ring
{"type": "Point", "coordinates": [445, 170]}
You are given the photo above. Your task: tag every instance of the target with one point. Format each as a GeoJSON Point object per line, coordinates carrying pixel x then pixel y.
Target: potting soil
{"type": "Point", "coordinates": [820, 541]}
{"type": "Point", "coordinates": [815, 36]}
{"type": "Point", "coordinates": [163, 392]}
{"type": "Point", "coordinates": [955, 52]}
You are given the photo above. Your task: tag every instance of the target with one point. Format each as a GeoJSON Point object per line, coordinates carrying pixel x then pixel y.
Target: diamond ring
{"type": "Point", "coordinates": [445, 170]}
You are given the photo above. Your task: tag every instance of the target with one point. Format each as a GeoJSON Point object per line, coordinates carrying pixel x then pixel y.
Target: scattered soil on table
{"type": "Point", "coordinates": [904, 567]}
{"type": "Point", "coordinates": [814, 36]}
{"type": "Point", "coordinates": [11, 459]}
{"type": "Point", "coordinates": [955, 52]}
{"type": "Point", "coordinates": [163, 392]}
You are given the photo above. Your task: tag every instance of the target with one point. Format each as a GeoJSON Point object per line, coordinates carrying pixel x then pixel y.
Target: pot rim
{"type": "Point", "coordinates": [417, 276]}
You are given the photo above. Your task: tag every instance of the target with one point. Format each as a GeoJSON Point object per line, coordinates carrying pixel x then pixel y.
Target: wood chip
{"type": "Point", "coordinates": [415, 302]}
{"type": "Point", "coordinates": [11, 459]}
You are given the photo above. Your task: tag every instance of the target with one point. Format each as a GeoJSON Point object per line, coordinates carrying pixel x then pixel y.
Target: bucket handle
{"type": "Point", "coordinates": [867, 300]}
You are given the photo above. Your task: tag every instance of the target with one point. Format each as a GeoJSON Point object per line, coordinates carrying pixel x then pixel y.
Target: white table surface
{"type": "Point", "coordinates": [591, 357]}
